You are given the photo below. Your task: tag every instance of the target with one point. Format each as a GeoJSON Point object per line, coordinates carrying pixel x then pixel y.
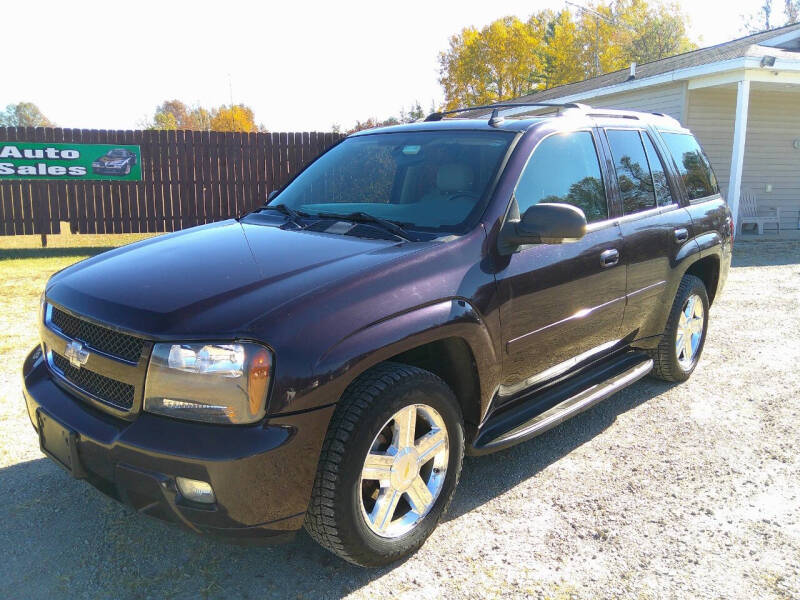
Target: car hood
{"type": "Point", "coordinates": [211, 280]}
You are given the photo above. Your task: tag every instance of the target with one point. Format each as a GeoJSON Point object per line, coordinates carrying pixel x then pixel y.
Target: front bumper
{"type": "Point", "coordinates": [262, 474]}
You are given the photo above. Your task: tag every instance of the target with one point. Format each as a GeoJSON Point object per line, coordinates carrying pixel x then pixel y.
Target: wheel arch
{"type": "Point", "coordinates": [707, 269]}
{"type": "Point", "coordinates": [448, 338]}
{"type": "Point", "coordinates": [452, 360]}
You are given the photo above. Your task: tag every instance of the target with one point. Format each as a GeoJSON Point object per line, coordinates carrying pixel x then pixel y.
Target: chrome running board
{"type": "Point", "coordinates": [632, 369]}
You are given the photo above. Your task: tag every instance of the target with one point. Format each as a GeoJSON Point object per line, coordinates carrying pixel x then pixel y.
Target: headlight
{"type": "Point", "coordinates": [212, 382]}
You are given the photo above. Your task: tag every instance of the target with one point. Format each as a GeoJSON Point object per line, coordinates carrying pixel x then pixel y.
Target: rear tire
{"type": "Point", "coordinates": [682, 343]}
{"type": "Point", "coordinates": [366, 431]}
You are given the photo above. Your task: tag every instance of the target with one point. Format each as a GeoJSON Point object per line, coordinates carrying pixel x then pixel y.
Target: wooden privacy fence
{"type": "Point", "coordinates": [188, 178]}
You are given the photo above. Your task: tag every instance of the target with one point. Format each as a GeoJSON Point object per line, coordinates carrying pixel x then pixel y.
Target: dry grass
{"type": "Point", "coordinates": [24, 269]}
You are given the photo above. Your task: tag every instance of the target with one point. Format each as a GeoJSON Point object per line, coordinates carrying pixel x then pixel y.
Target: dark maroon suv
{"type": "Point", "coordinates": [418, 292]}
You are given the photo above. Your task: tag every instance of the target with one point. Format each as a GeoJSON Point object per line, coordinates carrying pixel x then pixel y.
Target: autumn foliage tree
{"type": "Point", "coordinates": [24, 114]}
{"type": "Point", "coordinates": [414, 113]}
{"type": "Point", "coordinates": [511, 57]}
{"type": "Point", "coordinates": [236, 117]}
{"type": "Point", "coordinates": [174, 114]}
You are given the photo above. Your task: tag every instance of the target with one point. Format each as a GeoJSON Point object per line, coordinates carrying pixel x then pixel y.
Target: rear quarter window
{"type": "Point", "coordinates": [693, 165]}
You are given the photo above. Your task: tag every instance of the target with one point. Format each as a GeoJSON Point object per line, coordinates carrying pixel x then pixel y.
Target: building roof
{"type": "Point", "coordinates": [756, 46]}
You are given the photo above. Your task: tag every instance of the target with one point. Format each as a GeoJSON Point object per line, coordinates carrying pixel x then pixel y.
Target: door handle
{"type": "Point", "coordinates": [609, 258]}
{"type": "Point", "coordinates": [681, 234]}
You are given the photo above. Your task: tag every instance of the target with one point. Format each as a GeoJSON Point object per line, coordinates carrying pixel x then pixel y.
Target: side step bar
{"type": "Point", "coordinates": [516, 425]}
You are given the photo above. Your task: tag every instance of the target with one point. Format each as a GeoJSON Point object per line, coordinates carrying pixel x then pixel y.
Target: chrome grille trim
{"type": "Point", "coordinates": [102, 365]}
{"type": "Point", "coordinates": [99, 339]}
{"type": "Point", "coordinates": [117, 394]}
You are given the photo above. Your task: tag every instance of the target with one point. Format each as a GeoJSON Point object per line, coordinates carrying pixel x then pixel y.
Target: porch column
{"type": "Point", "coordinates": [737, 158]}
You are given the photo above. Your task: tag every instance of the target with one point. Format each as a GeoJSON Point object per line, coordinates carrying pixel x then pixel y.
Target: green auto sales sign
{"type": "Point", "coordinates": [74, 162]}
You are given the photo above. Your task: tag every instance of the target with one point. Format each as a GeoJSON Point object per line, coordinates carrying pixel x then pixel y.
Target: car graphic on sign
{"type": "Point", "coordinates": [118, 161]}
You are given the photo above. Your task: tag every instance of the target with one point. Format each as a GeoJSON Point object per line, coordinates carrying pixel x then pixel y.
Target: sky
{"type": "Point", "coordinates": [302, 66]}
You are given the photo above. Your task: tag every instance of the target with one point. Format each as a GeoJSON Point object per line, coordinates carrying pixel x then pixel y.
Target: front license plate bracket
{"type": "Point", "coordinates": [60, 444]}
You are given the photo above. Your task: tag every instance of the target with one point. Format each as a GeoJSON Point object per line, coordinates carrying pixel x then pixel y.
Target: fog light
{"type": "Point", "coordinates": [196, 490]}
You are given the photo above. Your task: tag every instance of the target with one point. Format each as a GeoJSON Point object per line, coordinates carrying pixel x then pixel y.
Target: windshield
{"type": "Point", "coordinates": [433, 180]}
{"type": "Point", "coordinates": [118, 153]}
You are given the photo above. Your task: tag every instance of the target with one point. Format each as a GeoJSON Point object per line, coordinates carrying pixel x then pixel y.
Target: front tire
{"type": "Point", "coordinates": [389, 466]}
{"type": "Point", "coordinates": [678, 353]}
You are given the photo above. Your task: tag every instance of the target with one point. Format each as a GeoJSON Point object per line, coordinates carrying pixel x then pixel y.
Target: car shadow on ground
{"type": "Point", "coordinates": [486, 477]}
{"type": "Point", "coordinates": [93, 546]}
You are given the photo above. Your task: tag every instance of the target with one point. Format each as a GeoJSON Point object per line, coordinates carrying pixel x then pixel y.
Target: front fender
{"type": "Point", "coordinates": [381, 340]}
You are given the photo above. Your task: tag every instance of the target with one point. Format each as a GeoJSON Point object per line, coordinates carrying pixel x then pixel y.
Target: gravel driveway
{"type": "Point", "coordinates": [662, 491]}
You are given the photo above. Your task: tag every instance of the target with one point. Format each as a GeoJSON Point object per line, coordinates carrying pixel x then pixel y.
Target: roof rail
{"type": "Point", "coordinates": [496, 119]}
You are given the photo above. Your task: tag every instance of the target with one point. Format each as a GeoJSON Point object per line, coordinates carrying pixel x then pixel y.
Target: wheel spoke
{"type": "Point", "coordinates": [385, 506]}
{"type": "Point", "coordinates": [689, 307]}
{"type": "Point", "coordinates": [679, 343]}
{"type": "Point", "coordinates": [429, 445]}
{"type": "Point", "coordinates": [696, 325]}
{"type": "Point", "coordinates": [687, 347]}
{"type": "Point", "coordinates": [698, 310]}
{"type": "Point", "coordinates": [405, 423]}
{"type": "Point", "coordinates": [420, 496]}
{"type": "Point", "coordinates": [377, 466]}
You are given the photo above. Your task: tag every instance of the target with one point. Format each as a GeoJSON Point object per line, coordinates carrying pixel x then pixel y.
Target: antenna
{"type": "Point", "coordinates": [230, 92]}
{"type": "Point", "coordinates": [597, 17]}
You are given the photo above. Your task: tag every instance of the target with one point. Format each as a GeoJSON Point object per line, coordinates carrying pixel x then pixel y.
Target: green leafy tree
{"type": "Point", "coordinates": [650, 33]}
{"type": "Point", "coordinates": [24, 114]}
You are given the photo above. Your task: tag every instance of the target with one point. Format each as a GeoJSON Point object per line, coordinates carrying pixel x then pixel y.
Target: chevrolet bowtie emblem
{"type": "Point", "coordinates": [77, 354]}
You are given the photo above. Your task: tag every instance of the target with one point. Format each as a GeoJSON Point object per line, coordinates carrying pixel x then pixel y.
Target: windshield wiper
{"type": "Point", "coordinates": [289, 212]}
{"type": "Point", "coordinates": [362, 217]}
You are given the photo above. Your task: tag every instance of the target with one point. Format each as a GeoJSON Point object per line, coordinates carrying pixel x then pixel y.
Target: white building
{"type": "Point", "coordinates": [740, 98]}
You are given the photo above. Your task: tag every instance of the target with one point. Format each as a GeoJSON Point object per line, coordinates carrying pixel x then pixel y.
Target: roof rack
{"type": "Point", "coordinates": [496, 119]}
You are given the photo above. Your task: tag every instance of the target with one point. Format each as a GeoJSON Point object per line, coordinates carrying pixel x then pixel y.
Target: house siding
{"type": "Point", "coordinates": [667, 99]}
{"type": "Point", "coordinates": [773, 123]}
{"type": "Point", "coordinates": [712, 113]}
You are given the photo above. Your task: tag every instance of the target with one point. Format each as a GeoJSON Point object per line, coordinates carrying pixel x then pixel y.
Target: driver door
{"type": "Point", "coordinates": [563, 302]}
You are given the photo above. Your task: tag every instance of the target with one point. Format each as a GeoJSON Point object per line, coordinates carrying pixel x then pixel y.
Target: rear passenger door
{"type": "Point", "coordinates": [654, 227]}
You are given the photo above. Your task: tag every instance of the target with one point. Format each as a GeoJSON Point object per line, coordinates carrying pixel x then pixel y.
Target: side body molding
{"type": "Point", "coordinates": [454, 318]}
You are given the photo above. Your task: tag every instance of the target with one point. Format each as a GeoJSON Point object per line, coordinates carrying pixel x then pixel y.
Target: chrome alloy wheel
{"type": "Point", "coordinates": [404, 470]}
{"type": "Point", "coordinates": [690, 331]}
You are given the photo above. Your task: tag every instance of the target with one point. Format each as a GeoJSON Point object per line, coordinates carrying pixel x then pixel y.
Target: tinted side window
{"type": "Point", "coordinates": [663, 193]}
{"type": "Point", "coordinates": [692, 164]}
{"type": "Point", "coordinates": [564, 169]}
{"type": "Point", "coordinates": [633, 172]}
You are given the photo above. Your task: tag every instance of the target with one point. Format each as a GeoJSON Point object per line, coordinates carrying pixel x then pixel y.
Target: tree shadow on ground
{"type": "Point", "coordinates": [72, 251]}
{"type": "Point", "coordinates": [766, 254]}
{"type": "Point", "coordinates": [64, 537]}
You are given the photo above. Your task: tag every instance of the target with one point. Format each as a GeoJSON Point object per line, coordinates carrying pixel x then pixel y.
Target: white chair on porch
{"type": "Point", "coordinates": [750, 214]}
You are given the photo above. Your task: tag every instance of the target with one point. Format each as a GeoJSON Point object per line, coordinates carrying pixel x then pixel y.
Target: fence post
{"type": "Point", "coordinates": [41, 219]}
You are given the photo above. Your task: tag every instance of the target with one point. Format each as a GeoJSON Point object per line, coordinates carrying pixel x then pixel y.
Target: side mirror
{"type": "Point", "coordinates": [271, 195]}
{"type": "Point", "coordinates": [544, 224]}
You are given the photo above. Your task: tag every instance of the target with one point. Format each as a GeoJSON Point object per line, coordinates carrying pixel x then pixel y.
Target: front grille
{"type": "Point", "coordinates": [116, 393]}
{"type": "Point", "coordinates": [105, 340]}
